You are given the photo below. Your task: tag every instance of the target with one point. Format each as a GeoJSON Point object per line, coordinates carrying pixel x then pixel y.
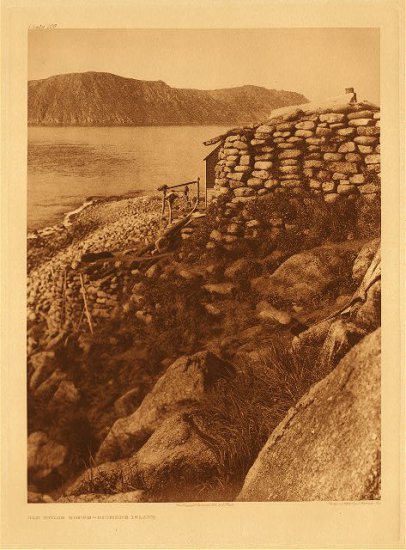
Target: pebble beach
{"type": "Point", "coordinates": [55, 281]}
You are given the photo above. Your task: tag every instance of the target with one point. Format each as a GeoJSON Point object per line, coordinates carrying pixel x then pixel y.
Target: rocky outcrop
{"type": "Point", "coordinates": [364, 259]}
{"type": "Point", "coordinates": [104, 99]}
{"type": "Point", "coordinates": [328, 446]}
{"type": "Point", "coordinates": [336, 334]}
{"type": "Point", "coordinates": [305, 278]}
{"type": "Point", "coordinates": [174, 459]}
{"type": "Point", "coordinates": [176, 456]}
{"type": "Point", "coordinates": [168, 449]}
{"type": "Point", "coordinates": [182, 385]}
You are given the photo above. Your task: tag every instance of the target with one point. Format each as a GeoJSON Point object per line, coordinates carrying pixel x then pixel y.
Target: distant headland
{"type": "Point", "coordinates": [105, 99]}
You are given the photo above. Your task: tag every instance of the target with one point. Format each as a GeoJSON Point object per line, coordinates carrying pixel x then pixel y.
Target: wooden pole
{"type": "Point", "coordinates": [198, 190]}
{"type": "Point", "coordinates": [89, 320]}
{"type": "Point", "coordinates": [163, 207]}
{"type": "Point", "coordinates": [170, 212]}
{"type": "Point", "coordinates": [178, 185]}
{"type": "Point", "coordinates": [80, 319]}
{"type": "Point", "coordinates": [205, 190]}
{"type": "Point", "coordinates": [63, 309]}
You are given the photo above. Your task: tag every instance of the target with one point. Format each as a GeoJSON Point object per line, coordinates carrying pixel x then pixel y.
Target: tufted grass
{"type": "Point", "coordinates": [240, 414]}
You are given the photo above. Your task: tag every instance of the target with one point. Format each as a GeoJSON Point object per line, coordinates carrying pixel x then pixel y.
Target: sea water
{"type": "Point", "coordinates": [67, 165]}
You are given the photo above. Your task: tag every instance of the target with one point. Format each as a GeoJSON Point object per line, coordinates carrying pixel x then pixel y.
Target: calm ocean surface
{"type": "Point", "coordinates": [67, 165]}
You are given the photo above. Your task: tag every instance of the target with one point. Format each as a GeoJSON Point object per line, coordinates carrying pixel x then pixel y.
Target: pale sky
{"type": "Point", "coordinates": [316, 62]}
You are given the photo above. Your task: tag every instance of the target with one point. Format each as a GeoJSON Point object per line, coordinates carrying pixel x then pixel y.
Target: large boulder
{"type": "Point", "coordinates": [328, 445]}
{"type": "Point", "coordinates": [336, 334]}
{"type": "Point", "coordinates": [182, 385]}
{"type": "Point", "coordinates": [175, 460]}
{"type": "Point", "coordinates": [178, 457]}
{"type": "Point", "coordinates": [305, 277]}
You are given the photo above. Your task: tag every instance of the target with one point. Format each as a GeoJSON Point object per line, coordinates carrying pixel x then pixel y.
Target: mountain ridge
{"type": "Point", "coordinates": [105, 99]}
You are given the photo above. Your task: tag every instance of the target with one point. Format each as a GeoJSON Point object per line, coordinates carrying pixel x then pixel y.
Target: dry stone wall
{"type": "Point", "coordinates": [334, 152]}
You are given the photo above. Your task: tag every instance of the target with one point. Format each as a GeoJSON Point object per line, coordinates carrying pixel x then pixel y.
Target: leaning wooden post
{"type": "Point", "coordinates": [198, 190]}
{"type": "Point", "coordinates": [170, 212]}
{"type": "Point", "coordinates": [63, 309]}
{"type": "Point", "coordinates": [80, 319]}
{"type": "Point", "coordinates": [163, 189]}
{"type": "Point", "coordinates": [89, 320]}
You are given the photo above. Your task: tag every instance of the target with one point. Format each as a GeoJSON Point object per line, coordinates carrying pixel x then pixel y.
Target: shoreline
{"type": "Point", "coordinates": [69, 217]}
{"type": "Point", "coordinates": [107, 223]}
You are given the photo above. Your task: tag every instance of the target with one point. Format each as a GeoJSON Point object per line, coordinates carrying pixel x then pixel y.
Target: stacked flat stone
{"type": "Point", "coordinates": [335, 153]}
{"type": "Point", "coordinates": [234, 163]}
{"type": "Point", "coordinates": [236, 224]}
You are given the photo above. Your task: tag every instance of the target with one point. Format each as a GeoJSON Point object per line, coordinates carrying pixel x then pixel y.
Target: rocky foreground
{"type": "Point", "coordinates": [54, 284]}
{"type": "Point", "coordinates": [220, 368]}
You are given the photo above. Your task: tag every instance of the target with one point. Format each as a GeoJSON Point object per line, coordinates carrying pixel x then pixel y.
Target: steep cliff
{"type": "Point", "coordinates": [103, 99]}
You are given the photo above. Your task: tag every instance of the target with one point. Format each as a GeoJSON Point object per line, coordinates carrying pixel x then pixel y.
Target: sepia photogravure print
{"type": "Point", "coordinates": [199, 352]}
{"type": "Point", "coordinates": [204, 273]}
